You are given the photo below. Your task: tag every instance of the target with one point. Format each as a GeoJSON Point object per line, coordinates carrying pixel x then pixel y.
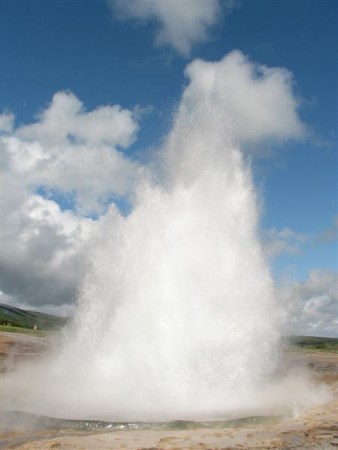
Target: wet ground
{"type": "Point", "coordinates": [314, 428]}
{"type": "Point", "coordinates": [17, 347]}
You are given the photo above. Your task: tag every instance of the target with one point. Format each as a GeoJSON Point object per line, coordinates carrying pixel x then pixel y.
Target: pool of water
{"type": "Point", "coordinates": [20, 427]}
{"type": "Point", "coordinates": [19, 420]}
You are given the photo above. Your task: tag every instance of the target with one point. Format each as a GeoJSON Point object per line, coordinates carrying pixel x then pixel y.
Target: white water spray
{"type": "Point", "coordinates": [177, 316]}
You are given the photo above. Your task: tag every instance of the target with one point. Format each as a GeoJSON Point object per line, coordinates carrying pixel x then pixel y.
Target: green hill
{"type": "Point", "coordinates": [28, 319]}
{"type": "Point", "coordinates": [314, 343]}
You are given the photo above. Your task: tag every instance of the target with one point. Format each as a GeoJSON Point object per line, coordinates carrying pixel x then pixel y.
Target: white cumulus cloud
{"type": "Point", "coordinates": [65, 121]}
{"type": "Point", "coordinates": [259, 101]}
{"type": "Point", "coordinates": [180, 23]}
{"type": "Point", "coordinates": [281, 241]}
{"type": "Point", "coordinates": [6, 122]}
{"type": "Point", "coordinates": [75, 152]}
{"type": "Point", "coordinates": [43, 253]}
{"type": "Point", "coordinates": [313, 305]}
{"type": "Point", "coordinates": [66, 154]}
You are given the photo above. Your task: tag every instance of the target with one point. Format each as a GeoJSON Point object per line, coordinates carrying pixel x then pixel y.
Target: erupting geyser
{"type": "Point", "coordinates": [177, 316]}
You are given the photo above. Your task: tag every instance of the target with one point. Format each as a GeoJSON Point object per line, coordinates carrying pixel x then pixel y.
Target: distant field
{"type": "Point", "coordinates": [23, 321]}
{"type": "Point", "coordinates": [314, 343]}
{"type": "Point", "coordinates": [18, 320]}
{"type": "Point", "coordinates": [11, 329]}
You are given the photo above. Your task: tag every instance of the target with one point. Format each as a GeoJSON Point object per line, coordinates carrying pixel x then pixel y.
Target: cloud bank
{"type": "Point", "coordinates": [66, 165]}
{"type": "Point", "coordinates": [179, 24]}
{"type": "Point", "coordinates": [43, 255]}
{"type": "Point", "coordinates": [313, 304]}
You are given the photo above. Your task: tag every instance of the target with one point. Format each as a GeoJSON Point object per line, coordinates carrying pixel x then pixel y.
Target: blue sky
{"type": "Point", "coordinates": [86, 48]}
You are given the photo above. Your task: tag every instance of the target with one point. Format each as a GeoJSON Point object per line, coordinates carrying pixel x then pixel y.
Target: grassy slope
{"type": "Point", "coordinates": [314, 343]}
{"type": "Point", "coordinates": [20, 318]}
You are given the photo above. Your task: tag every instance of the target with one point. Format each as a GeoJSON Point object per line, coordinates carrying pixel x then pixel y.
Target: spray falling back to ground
{"type": "Point", "coordinates": [179, 301]}
{"type": "Point", "coordinates": [177, 316]}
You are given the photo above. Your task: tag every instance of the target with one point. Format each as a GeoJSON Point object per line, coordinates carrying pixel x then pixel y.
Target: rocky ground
{"type": "Point", "coordinates": [315, 428]}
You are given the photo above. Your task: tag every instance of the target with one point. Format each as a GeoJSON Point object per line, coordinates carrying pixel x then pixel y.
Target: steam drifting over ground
{"type": "Point", "coordinates": [177, 315]}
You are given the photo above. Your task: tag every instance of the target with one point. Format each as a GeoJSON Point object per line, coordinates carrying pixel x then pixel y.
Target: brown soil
{"type": "Point", "coordinates": [15, 347]}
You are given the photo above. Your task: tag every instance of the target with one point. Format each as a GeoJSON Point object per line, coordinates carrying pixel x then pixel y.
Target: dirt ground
{"type": "Point", "coordinates": [15, 347]}
{"type": "Point", "coordinates": [315, 428]}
